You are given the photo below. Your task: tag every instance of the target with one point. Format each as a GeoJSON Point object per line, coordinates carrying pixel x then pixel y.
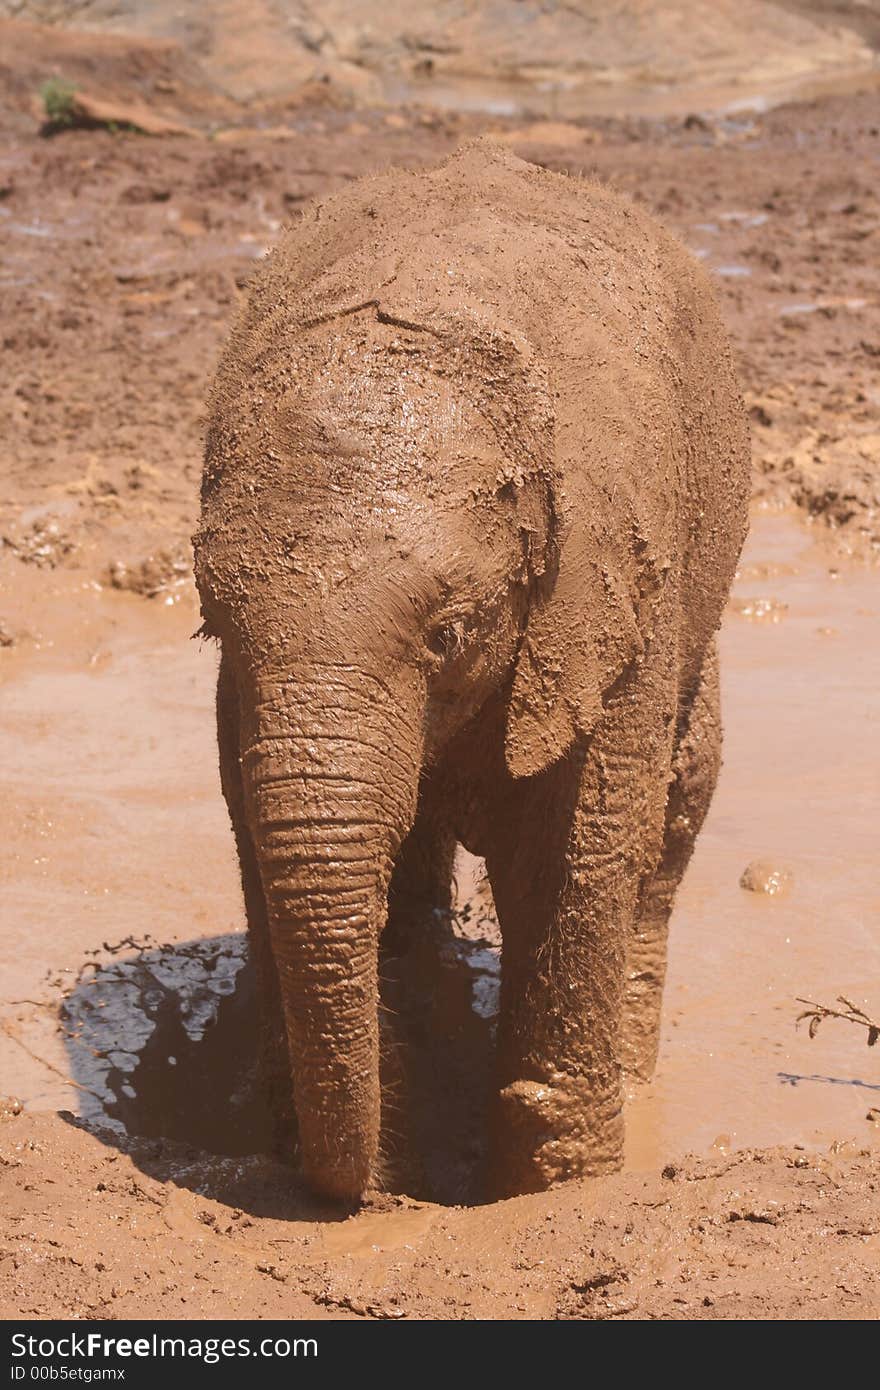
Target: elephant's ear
{"type": "Point", "coordinates": [581, 633]}
{"type": "Point", "coordinates": [557, 685]}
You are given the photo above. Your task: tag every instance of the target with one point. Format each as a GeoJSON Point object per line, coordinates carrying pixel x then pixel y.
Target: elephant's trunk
{"type": "Point", "coordinates": [331, 771]}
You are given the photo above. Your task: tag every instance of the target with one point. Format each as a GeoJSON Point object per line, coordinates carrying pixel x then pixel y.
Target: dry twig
{"type": "Point", "coordinates": [850, 1013]}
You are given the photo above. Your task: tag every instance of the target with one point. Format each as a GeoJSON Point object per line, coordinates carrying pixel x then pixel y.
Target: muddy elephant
{"type": "Point", "coordinates": [475, 486]}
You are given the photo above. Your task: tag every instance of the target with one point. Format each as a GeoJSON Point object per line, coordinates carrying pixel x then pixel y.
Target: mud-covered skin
{"type": "Point", "coordinates": [475, 487]}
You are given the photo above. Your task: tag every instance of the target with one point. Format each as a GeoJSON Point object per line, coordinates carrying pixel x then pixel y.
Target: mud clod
{"type": "Point", "coordinates": [763, 876]}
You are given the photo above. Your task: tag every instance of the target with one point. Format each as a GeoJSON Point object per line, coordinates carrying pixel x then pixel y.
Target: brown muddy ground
{"type": "Point", "coordinates": [124, 1000]}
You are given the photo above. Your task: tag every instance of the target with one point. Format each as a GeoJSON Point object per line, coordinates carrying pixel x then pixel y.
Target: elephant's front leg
{"type": "Point", "coordinates": [421, 886]}
{"type": "Point", "coordinates": [566, 880]}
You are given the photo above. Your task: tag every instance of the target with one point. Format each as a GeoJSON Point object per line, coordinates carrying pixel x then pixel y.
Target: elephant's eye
{"type": "Point", "coordinates": [447, 639]}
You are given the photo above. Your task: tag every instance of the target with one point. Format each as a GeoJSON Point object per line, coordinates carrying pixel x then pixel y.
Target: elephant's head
{"type": "Point", "coordinates": [374, 538]}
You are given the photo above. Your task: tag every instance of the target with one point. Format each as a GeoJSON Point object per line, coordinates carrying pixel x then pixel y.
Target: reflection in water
{"type": "Point", "coordinates": [166, 1043]}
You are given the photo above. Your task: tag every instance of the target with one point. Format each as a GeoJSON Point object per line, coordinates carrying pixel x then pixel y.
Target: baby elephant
{"type": "Point", "coordinates": [475, 486]}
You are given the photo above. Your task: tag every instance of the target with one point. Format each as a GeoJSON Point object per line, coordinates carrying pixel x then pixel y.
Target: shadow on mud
{"type": "Point", "coordinates": [164, 1043]}
{"type": "Point", "coordinates": [790, 1078]}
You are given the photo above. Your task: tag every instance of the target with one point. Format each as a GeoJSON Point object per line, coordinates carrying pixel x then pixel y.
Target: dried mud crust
{"type": "Point", "coordinates": [157, 1230]}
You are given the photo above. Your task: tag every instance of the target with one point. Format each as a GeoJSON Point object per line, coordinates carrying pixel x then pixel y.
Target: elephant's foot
{"type": "Point", "coordinates": [550, 1132]}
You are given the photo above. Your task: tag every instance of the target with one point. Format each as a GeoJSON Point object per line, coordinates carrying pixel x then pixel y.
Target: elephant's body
{"type": "Point", "coordinates": [475, 488]}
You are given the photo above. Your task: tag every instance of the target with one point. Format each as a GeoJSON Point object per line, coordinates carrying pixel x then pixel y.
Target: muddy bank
{"type": "Point", "coordinates": [119, 287]}
{"type": "Point", "coordinates": [508, 57]}
{"type": "Point", "coordinates": [161, 1231]}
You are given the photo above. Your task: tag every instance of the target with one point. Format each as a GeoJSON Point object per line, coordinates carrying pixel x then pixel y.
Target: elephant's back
{"type": "Point", "coordinates": [486, 253]}
{"type": "Point", "coordinates": [482, 236]}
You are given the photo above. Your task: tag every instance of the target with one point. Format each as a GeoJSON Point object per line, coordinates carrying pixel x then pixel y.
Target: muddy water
{"type": "Point", "coordinates": [801, 674]}
{"type": "Point", "coordinates": [115, 829]}
{"type": "Point", "coordinates": [123, 992]}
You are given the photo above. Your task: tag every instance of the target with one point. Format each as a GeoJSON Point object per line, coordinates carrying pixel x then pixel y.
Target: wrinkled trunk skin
{"type": "Point", "coordinates": [331, 776]}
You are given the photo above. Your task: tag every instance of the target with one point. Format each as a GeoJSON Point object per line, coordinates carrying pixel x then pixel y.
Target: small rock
{"type": "Point", "coordinates": [10, 1106]}
{"type": "Point", "coordinates": [144, 193]}
{"type": "Point", "coordinates": [763, 876]}
{"type": "Point", "coordinates": [92, 112]}
{"type": "Point", "coordinates": [763, 1216]}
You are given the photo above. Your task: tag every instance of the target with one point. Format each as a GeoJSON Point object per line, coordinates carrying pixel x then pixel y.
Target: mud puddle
{"type": "Point", "coordinates": [118, 867]}
{"type": "Point", "coordinates": [801, 688]}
